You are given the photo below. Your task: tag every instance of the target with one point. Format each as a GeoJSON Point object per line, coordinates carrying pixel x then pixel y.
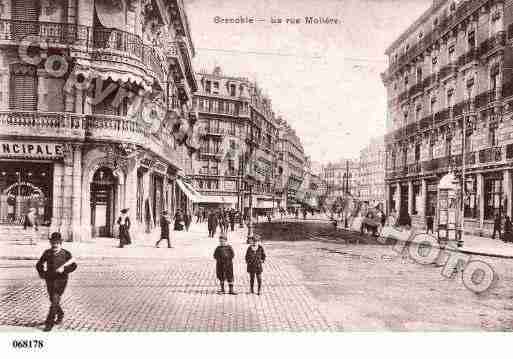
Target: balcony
{"type": "Point", "coordinates": [414, 168]}
{"type": "Point", "coordinates": [211, 152]}
{"type": "Point", "coordinates": [446, 71]}
{"type": "Point", "coordinates": [231, 173]}
{"type": "Point", "coordinates": [54, 33]}
{"type": "Point", "coordinates": [492, 43]}
{"type": "Point", "coordinates": [253, 140]}
{"type": "Point", "coordinates": [213, 131]}
{"type": "Point", "coordinates": [416, 89]}
{"type": "Point", "coordinates": [442, 116]}
{"type": "Point", "coordinates": [492, 154]}
{"type": "Point", "coordinates": [469, 56]}
{"type": "Point", "coordinates": [485, 98]}
{"type": "Point", "coordinates": [42, 124]}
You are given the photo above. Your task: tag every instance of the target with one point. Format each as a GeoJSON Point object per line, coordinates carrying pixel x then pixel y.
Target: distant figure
{"type": "Point", "coordinates": [508, 230]}
{"type": "Point", "coordinates": [165, 221]}
{"type": "Point", "coordinates": [232, 219]}
{"type": "Point", "coordinates": [429, 223]}
{"type": "Point", "coordinates": [30, 225]}
{"type": "Point", "coordinates": [178, 221]}
{"type": "Point", "coordinates": [497, 226]}
{"type": "Point", "coordinates": [212, 224]}
{"type": "Point", "coordinates": [124, 228]}
{"type": "Point", "coordinates": [198, 215]}
{"type": "Point", "coordinates": [187, 220]}
{"type": "Point", "coordinates": [223, 255]}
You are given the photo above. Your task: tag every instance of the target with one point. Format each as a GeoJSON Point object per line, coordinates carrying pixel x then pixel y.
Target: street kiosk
{"type": "Point", "coordinates": [449, 213]}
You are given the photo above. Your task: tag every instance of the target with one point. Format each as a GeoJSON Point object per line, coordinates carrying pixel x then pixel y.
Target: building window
{"type": "Point", "coordinates": [208, 88]}
{"type": "Point", "coordinates": [470, 201]}
{"type": "Point", "coordinates": [23, 89]}
{"type": "Point", "coordinates": [216, 88]}
{"type": "Point", "coordinates": [433, 105]}
{"type": "Point", "coordinates": [450, 54]}
{"type": "Point", "coordinates": [232, 90]}
{"type": "Point", "coordinates": [471, 40]}
{"type": "Point", "coordinates": [493, 198]}
{"type": "Point", "coordinates": [494, 76]}
{"type": "Point", "coordinates": [448, 145]}
{"type": "Point", "coordinates": [417, 152]}
{"type": "Point", "coordinates": [419, 75]}
{"type": "Point", "coordinates": [416, 199]}
{"type": "Point", "coordinates": [492, 135]}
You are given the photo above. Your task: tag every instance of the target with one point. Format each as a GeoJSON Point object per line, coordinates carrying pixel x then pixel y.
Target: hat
{"type": "Point", "coordinates": [124, 210]}
{"type": "Point", "coordinates": [164, 212]}
{"type": "Point", "coordinates": [55, 237]}
{"type": "Point", "coordinates": [223, 236]}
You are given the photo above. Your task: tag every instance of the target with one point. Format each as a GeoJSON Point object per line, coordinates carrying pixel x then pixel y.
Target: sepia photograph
{"type": "Point", "coordinates": [292, 166]}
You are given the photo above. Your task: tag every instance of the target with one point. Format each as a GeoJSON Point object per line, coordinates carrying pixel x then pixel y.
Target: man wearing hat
{"type": "Point", "coordinates": [224, 263]}
{"type": "Point", "coordinates": [54, 266]}
{"type": "Point", "coordinates": [165, 221]}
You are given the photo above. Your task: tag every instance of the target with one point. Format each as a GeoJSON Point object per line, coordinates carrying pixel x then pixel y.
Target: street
{"type": "Point", "coordinates": [320, 282]}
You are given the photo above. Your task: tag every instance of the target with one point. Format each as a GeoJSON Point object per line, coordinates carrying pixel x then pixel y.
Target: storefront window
{"type": "Point", "coordinates": [470, 202]}
{"type": "Point", "coordinates": [493, 197]}
{"type": "Point", "coordinates": [416, 199]}
{"type": "Point", "coordinates": [25, 185]}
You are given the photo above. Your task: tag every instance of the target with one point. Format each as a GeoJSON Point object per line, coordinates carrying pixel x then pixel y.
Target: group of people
{"type": "Point", "coordinates": [255, 257]}
{"type": "Point", "coordinates": [223, 218]}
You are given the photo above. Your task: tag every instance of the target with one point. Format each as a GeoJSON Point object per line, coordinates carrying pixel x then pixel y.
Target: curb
{"type": "Point", "coordinates": [465, 251]}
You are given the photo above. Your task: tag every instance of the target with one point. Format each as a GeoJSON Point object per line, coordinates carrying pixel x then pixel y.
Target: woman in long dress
{"type": "Point", "coordinates": [124, 228]}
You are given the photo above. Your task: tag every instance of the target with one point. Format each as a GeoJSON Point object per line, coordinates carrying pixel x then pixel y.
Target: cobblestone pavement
{"type": "Point", "coordinates": [318, 283]}
{"type": "Point", "coordinates": [171, 295]}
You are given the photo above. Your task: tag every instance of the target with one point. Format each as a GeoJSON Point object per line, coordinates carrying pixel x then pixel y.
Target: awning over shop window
{"type": "Point", "coordinates": [189, 191]}
{"type": "Point", "coordinates": [111, 13]}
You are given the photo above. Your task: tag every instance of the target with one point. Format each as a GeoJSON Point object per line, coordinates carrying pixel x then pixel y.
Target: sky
{"type": "Point", "coordinates": [324, 79]}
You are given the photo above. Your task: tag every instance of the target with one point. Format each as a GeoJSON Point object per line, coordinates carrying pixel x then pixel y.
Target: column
{"type": "Point", "coordinates": [397, 198]}
{"type": "Point", "coordinates": [480, 196]}
{"type": "Point", "coordinates": [410, 197]}
{"type": "Point", "coordinates": [387, 199]}
{"type": "Point", "coordinates": [67, 192]}
{"type": "Point", "coordinates": [507, 191]}
{"type": "Point", "coordinates": [76, 200]}
{"type": "Point", "coordinates": [130, 198]}
{"type": "Point", "coordinates": [58, 173]}
{"type": "Point", "coordinates": [423, 198]}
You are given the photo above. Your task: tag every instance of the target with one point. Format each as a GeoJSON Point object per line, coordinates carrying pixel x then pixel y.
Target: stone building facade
{"type": "Point", "coordinates": [292, 163]}
{"type": "Point", "coordinates": [334, 175]}
{"type": "Point", "coordinates": [372, 172]}
{"type": "Point", "coordinates": [103, 122]}
{"type": "Point", "coordinates": [449, 88]}
{"type": "Point", "coordinates": [238, 133]}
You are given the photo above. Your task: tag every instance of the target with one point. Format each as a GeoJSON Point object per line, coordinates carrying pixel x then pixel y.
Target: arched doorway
{"type": "Point", "coordinates": [103, 199]}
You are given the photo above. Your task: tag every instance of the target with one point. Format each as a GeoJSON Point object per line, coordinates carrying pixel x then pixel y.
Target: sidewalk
{"type": "Point", "coordinates": [194, 243]}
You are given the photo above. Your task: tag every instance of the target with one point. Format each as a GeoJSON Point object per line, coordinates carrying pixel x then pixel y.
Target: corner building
{"type": "Point", "coordinates": [450, 91]}
{"type": "Point", "coordinates": [78, 160]}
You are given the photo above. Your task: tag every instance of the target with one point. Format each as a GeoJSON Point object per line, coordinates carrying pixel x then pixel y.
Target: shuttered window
{"type": "Point", "coordinates": [25, 14]}
{"type": "Point", "coordinates": [23, 88]}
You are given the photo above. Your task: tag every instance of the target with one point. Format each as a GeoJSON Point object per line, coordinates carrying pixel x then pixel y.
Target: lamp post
{"type": "Point", "coordinates": [250, 180]}
{"type": "Point", "coordinates": [347, 191]}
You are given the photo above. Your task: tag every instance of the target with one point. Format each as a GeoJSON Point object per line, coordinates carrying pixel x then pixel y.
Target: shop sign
{"type": "Point", "coordinates": [31, 149]}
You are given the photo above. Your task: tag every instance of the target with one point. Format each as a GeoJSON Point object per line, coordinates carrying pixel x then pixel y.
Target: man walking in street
{"type": "Point", "coordinates": [232, 219]}
{"type": "Point", "coordinates": [212, 224]}
{"type": "Point", "coordinates": [54, 266]}
{"type": "Point", "coordinates": [165, 221]}
{"type": "Point", "coordinates": [223, 255]}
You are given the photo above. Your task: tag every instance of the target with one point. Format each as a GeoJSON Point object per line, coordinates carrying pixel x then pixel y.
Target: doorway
{"type": "Point", "coordinates": [103, 194]}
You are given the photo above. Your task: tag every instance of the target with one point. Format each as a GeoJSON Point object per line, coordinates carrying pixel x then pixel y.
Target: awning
{"type": "Point", "coordinates": [229, 200]}
{"type": "Point", "coordinates": [111, 13]}
{"type": "Point", "coordinates": [189, 191]}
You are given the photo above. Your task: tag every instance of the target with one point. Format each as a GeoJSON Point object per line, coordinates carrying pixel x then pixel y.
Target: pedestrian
{"type": "Point", "coordinates": [429, 223]}
{"type": "Point", "coordinates": [224, 255]}
{"type": "Point", "coordinates": [165, 221]}
{"type": "Point", "coordinates": [497, 226]}
{"type": "Point", "coordinates": [30, 225]}
{"type": "Point", "coordinates": [187, 220]}
{"type": "Point", "coordinates": [508, 230]}
{"type": "Point", "coordinates": [255, 257]}
{"type": "Point", "coordinates": [204, 215]}
{"type": "Point", "coordinates": [212, 224]}
{"type": "Point", "coordinates": [124, 228]}
{"type": "Point", "coordinates": [59, 263]}
{"type": "Point", "coordinates": [232, 219]}
{"type": "Point", "coordinates": [178, 221]}
{"type": "Point", "coordinates": [198, 215]}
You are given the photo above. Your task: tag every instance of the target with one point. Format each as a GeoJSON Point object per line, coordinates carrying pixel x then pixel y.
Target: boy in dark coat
{"type": "Point", "coordinates": [59, 264]}
{"type": "Point", "coordinates": [224, 263]}
{"type": "Point", "coordinates": [255, 257]}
